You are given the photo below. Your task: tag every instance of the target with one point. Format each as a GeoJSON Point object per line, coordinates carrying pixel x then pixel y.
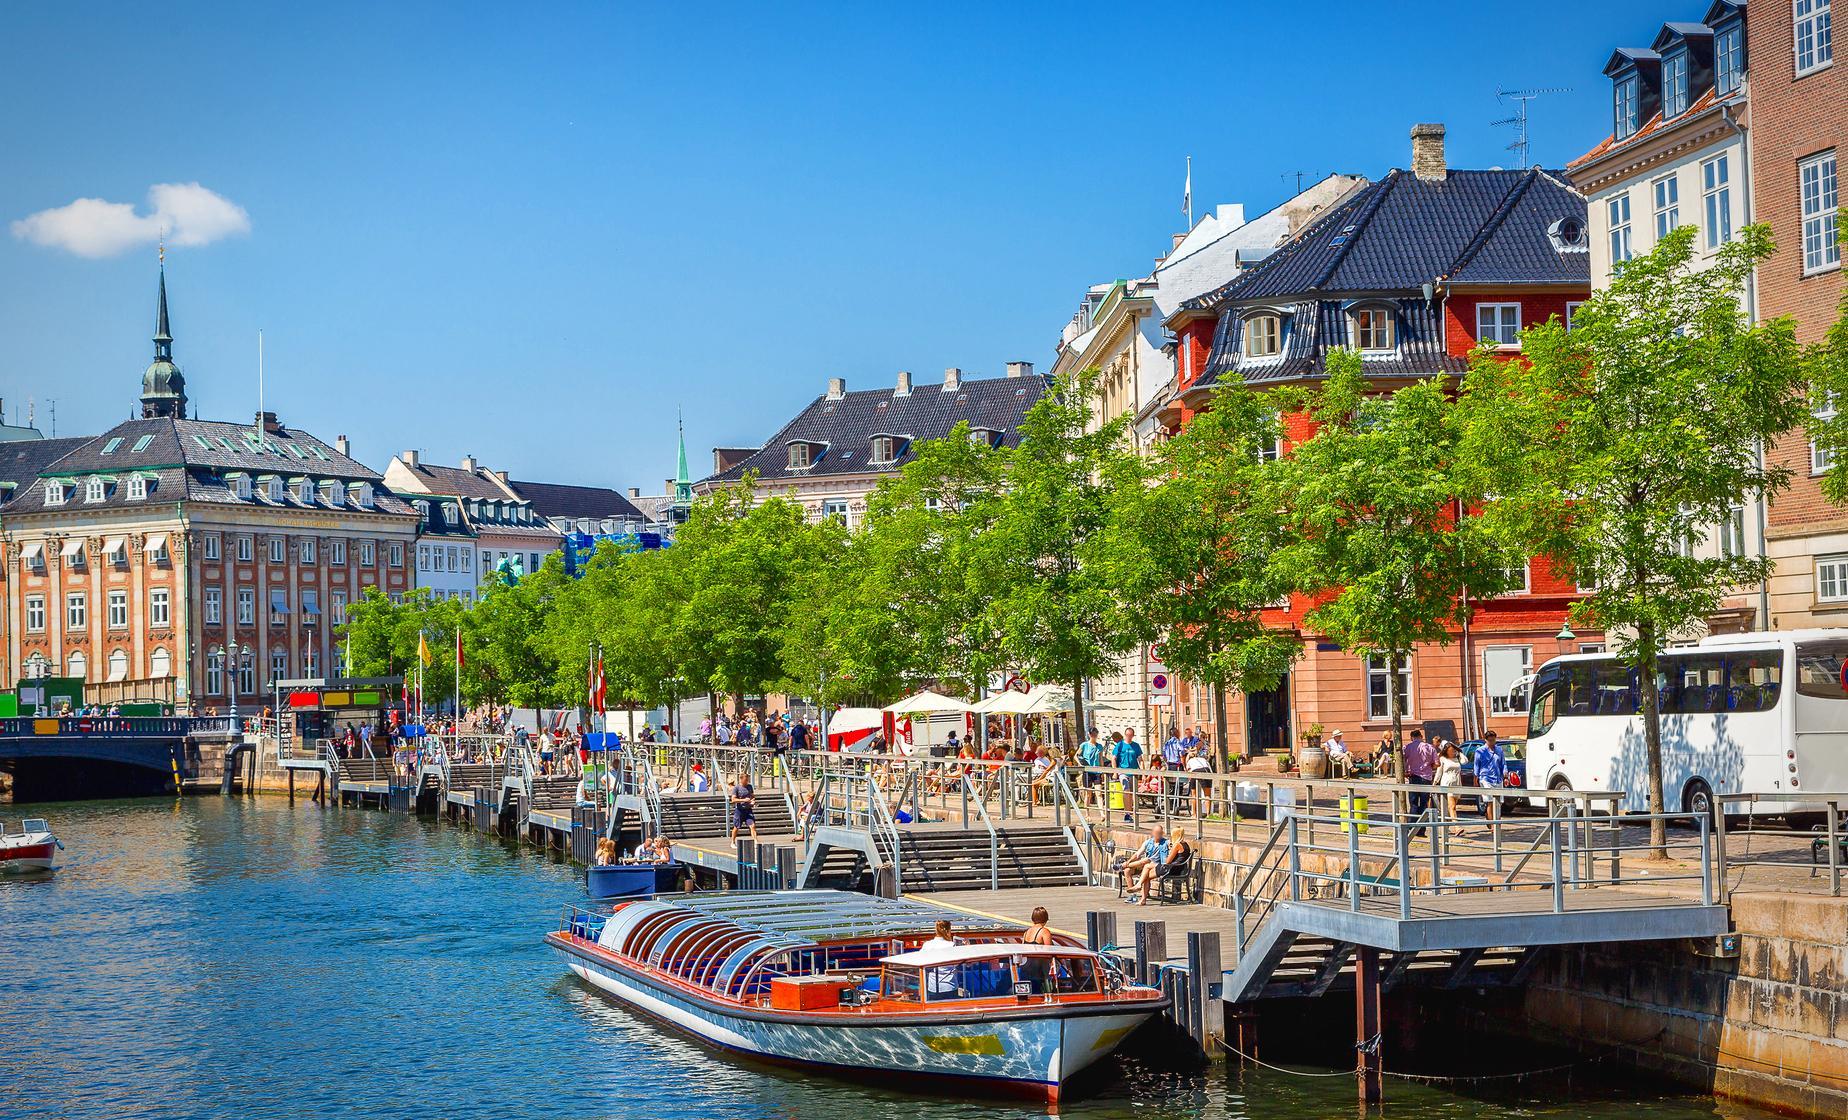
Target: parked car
{"type": "Point", "coordinates": [1515, 750]}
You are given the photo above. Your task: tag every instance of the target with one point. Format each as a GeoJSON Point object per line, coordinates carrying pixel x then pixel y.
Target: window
{"type": "Point", "coordinates": [1821, 248]}
{"type": "Point", "coordinates": [1499, 323]}
{"type": "Point", "coordinates": [35, 614]}
{"type": "Point", "coordinates": [799, 456]}
{"type": "Point", "coordinates": [311, 607]}
{"type": "Point", "coordinates": [1514, 577]}
{"type": "Point", "coordinates": [209, 546]}
{"type": "Point", "coordinates": [76, 616]}
{"type": "Point", "coordinates": [450, 562]}
{"type": "Point", "coordinates": [1832, 578]}
{"type": "Point", "coordinates": [367, 553]}
{"type": "Point", "coordinates": [159, 607]}
{"type": "Point", "coordinates": [487, 560]}
{"type": "Point", "coordinates": [336, 552]}
{"type": "Point", "coordinates": [1728, 58]}
{"type": "Point", "coordinates": [95, 490]}
{"type": "Point", "coordinates": [214, 606]}
{"type": "Point", "coordinates": [1624, 106]}
{"type": "Point", "coordinates": [278, 550]}
{"type": "Point", "coordinates": [142, 443]}
{"type": "Point", "coordinates": [397, 554]}
{"type": "Point", "coordinates": [1674, 84]}
{"type": "Point", "coordinates": [215, 673]}
{"type": "Point", "coordinates": [1378, 703]}
{"type": "Point", "coordinates": [160, 663]}
{"type": "Point", "coordinates": [240, 485]}
{"type": "Point", "coordinates": [467, 556]}
{"type": "Point", "coordinates": [1822, 458]}
{"type": "Point", "coordinates": [1667, 193]}
{"type": "Point", "coordinates": [275, 489]}
{"type": "Point", "coordinates": [835, 508]}
{"type": "Point", "coordinates": [279, 664]}
{"type": "Point", "coordinates": [1373, 328]}
{"type": "Point", "coordinates": [118, 610]}
{"type": "Point", "coordinates": [110, 447]}
{"type": "Point", "coordinates": [306, 550]}
{"type": "Point", "coordinates": [337, 602]}
{"type": "Point", "coordinates": [885, 449]}
{"type": "Point", "coordinates": [279, 606]}
{"type": "Point", "coordinates": [333, 493]}
{"type": "Point", "coordinates": [1716, 199]}
{"type": "Point", "coordinates": [118, 665]}
{"type": "Point", "coordinates": [54, 493]}
{"type": "Point", "coordinates": [311, 661]}
{"type": "Point", "coordinates": [137, 488]}
{"type": "Point", "coordinates": [1732, 532]}
{"type": "Point", "coordinates": [1263, 336]}
{"type": "Point", "coordinates": [532, 561]}
{"type": "Point", "coordinates": [1572, 307]}
{"type": "Point", "coordinates": [1814, 34]}
{"type": "Point", "coordinates": [246, 606]}
{"type": "Point", "coordinates": [79, 666]}
{"type": "Point", "coordinates": [1619, 209]}
{"type": "Point", "coordinates": [1502, 666]}
{"type": "Point", "coordinates": [247, 671]}
{"type": "Point", "coordinates": [362, 495]}
{"type": "Point", "coordinates": [243, 548]}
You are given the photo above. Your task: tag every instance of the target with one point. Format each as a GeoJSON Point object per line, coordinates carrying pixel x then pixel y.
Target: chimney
{"type": "Point", "coordinates": [1178, 238]}
{"type": "Point", "coordinates": [1020, 369]}
{"type": "Point", "coordinates": [469, 464]}
{"type": "Point", "coordinates": [667, 486]}
{"type": "Point", "coordinates": [341, 445]}
{"type": "Point", "coordinates": [410, 459]}
{"type": "Point", "coordinates": [1428, 152]}
{"type": "Point", "coordinates": [635, 491]}
{"type": "Point", "coordinates": [904, 384]}
{"type": "Point", "coordinates": [501, 477]}
{"type": "Point", "coordinates": [267, 421]}
{"type": "Point", "coordinates": [837, 388]}
{"type": "Point", "coordinates": [952, 380]}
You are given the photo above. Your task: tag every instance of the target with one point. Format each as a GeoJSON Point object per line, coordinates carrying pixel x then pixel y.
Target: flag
{"type": "Point", "coordinates": [458, 651]}
{"type": "Point", "coordinates": [423, 648]}
{"type": "Point", "coordinates": [1187, 191]}
{"type": "Point", "coordinates": [602, 686]}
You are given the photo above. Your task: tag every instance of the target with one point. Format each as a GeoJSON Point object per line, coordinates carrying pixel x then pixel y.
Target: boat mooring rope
{"type": "Point", "coordinates": [1372, 1045]}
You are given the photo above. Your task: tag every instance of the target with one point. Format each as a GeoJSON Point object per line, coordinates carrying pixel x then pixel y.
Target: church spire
{"type": "Point", "coordinates": [163, 387]}
{"type": "Point", "coordinates": [683, 485]}
{"type": "Point", "coordinates": [163, 337]}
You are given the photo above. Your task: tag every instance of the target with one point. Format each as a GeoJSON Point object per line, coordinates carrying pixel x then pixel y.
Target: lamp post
{"type": "Point", "coordinates": [231, 668]}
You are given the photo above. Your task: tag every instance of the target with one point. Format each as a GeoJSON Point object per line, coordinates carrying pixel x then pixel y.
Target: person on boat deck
{"type": "Point", "coordinates": [1175, 863]}
{"type": "Point", "coordinates": [744, 806]}
{"type": "Point", "coordinates": [1153, 853]}
{"type": "Point", "coordinates": [660, 850]}
{"type": "Point", "coordinates": [1033, 970]}
{"type": "Point", "coordinates": [606, 852]}
{"type": "Point", "coordinates": [940, 981]}
{"type": "Point", "coordinates": [697, 782]}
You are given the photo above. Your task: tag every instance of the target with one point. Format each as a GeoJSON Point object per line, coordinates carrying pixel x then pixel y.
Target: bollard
{"type": "Point", "coordinates": [1151, 950]}
{"type": "Point", "coordinates": [1208, 1013]}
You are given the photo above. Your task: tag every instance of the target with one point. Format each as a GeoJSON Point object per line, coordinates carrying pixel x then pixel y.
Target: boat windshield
{"type": "Point", "coordinates": [978, 979]}
{"type": "Point", "coordinates": [901, 983]}
{"type": "Point", "coordinates": [35, 824]}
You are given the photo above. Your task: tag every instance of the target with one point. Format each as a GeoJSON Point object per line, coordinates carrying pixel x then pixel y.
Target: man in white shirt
{"type": "Point", "coordinates": [1338, 757]}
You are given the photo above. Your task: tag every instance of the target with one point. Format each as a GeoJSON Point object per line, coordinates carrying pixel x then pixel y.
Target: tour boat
{"type": "Point", "coordinates": [632, 880]}
{"type": "Point", "coordinates": [833, 980]}
{"type": "Point", "coordinates": [28, 850]}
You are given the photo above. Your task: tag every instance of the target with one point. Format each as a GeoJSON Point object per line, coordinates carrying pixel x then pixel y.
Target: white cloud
{"type": "Point", "coordinates": [187, 213]}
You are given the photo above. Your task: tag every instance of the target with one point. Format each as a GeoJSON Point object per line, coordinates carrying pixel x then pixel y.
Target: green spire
{"type": "Point", "coordinates": [683, 485]}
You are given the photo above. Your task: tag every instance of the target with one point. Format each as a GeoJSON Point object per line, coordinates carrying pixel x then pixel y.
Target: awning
{"type": "Point", "coordinates": [1006, 703]}
{"type": "Point", "coordinates": [156, 542]}
{"type": "Point", "coordinates": [927, 702]}
{"type": "Point", "coordinates": [311, 608]}
{"type": "Point", "coordinates": [71, 548]}
{"type": "Point", "coordinates": [32, 553]}
{"type": "Point", "coordinates": [115, 545]}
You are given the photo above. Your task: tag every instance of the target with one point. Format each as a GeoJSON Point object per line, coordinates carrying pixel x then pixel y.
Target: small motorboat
{"type": "Point", "coordinates": [851, 983]}
{"type": "Point", "coordinates": [29, 849]}
{"type": "Point", "coordinates": [633, 880]}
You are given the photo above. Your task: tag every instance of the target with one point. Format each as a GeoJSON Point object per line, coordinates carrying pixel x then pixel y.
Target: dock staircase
{"type": "Point", "coordinates": [700, 816]}
{"type": "Point", "coordinates": [976, 859]}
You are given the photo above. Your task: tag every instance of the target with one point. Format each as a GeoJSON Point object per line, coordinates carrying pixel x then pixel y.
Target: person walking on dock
{"type": "Point", "coordinates": [1420, 770]}
{"type": "Point", "coordinates": [744, 806]}
{"type": "Point", "coordinates": [1491, 772]}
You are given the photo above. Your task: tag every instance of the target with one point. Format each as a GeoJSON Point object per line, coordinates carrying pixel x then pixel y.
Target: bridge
{"type": "Point", "coordinates": [187, 748]}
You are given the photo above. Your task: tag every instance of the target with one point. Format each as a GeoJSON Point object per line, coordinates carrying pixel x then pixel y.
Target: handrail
{"type": "Point", "coordinates": [994, 838]}
{"type": "Point", "coordinates": [1832, 835]}
{"type": "Point", "coordinates": [1065, 801]}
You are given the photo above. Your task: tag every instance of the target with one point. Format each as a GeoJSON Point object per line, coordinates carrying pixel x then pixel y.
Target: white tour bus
{"type": "Point", "coordinates": [1763, 713]}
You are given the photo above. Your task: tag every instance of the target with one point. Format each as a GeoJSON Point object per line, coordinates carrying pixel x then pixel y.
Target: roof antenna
{"type": "Point", "coordinates": [259, 385]}
{"type": "Point", "coordinates": [1299, 179]}
{"type": "Point", "coordinates": [1519, 121]}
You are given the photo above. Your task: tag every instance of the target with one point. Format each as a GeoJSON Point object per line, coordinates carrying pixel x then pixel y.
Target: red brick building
{"type": "Point", "coordinates": [1412, 272]}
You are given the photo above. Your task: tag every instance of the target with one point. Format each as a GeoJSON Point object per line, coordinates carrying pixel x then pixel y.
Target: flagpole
{"type": "Point", "coordinates": [458, 678]}
{"type": "Point", "coordinates": [1187, 195]}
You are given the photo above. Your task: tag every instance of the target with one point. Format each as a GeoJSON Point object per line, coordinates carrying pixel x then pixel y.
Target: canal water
{"type": "Point", "coordinates": [242, 958]}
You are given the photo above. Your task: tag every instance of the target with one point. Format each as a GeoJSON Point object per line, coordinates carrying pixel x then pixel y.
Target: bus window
{"type": "Point", "coordinates": [1693, 684]}
{"type": "Point", "coordinates": [1613, 689]}
{"type": "Point", "coordinates": [1753, 679]}
{"type": "Point", "coordinates": [1545, 707]}
{"type": "Point", "coordinates": [1819, 669]}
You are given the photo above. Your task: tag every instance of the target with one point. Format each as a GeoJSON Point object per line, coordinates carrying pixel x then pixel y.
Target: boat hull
{"type": "Point", "coordinates": [24, 859]}
{"type": "Point", "coordinates": [632, 880]}
{"type": "Point", "coordinates": [1032, 1054]}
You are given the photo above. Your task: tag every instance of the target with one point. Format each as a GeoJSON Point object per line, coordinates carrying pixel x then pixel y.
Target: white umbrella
{"type": "Point", "coordinates": [1006, 703]}
{"type": "Point", "coordinates": [1047, 699]}
{"type": "Point", "coordinates": [927, 702]}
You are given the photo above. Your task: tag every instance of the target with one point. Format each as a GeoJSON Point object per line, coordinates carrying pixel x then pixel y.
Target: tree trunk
{"type": "Point", "coordinates": [1395, 707]}
{"type": "Point", "coordinates": [1078, 724]}
{"type": "Point", "coordinates": [1652, 737]}
{"type": "Point", "coordinates": [1223, 732]}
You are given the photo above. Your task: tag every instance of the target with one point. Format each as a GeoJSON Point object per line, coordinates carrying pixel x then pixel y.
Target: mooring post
{"type": "Point", "coordinates": [1209, 1015]}
{"type": "Point", "coordinates": [785, 867]}
{"type": "Point", "coordinates": [1100, 930]}
{"type": "Point", "coordinates": [1242, 1033]}
{"type": "Point", "coordinates": [1367, 1042]}
{"type": "Point", "coordinates": [1151, 950]}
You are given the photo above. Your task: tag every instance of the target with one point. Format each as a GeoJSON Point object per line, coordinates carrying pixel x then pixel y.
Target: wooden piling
{"type": "Point", "coordinates": [1151, 950]}
{"type": "Point", "coordinates": [1100, 928]}
{"type": "Point", "coordinates": [1368, 1065]}
{"type": "Point", "coordinates": [1206, 976]}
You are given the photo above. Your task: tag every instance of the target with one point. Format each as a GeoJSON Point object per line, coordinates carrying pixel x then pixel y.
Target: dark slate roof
{"type": "Point", "coordinates": [437, 523]}
{"type": "Point", "coordinates": [22, 461]}
{"type": "Point", "coordinates": [1312, 327]}
{"type": "Point", "coordinates": [844, 428]}
{"type": "Point", "coordinates": [458, 483]}
{"type": "Point", "coordinates": [551, 499]}
{"type": "Point", "coordinates": [1516, 246]}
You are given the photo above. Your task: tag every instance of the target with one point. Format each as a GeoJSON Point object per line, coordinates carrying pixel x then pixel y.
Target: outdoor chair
{"type": "Point", "coordinates": [1179, 881]}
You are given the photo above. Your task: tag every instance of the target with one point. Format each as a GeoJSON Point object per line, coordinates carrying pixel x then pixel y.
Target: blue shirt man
{"type": "Point", "coordinates": [1155, 848]}
{"type": "Point", "coordinates": [1173, 750]}
{"type": "Point", "coordinates": [1491, 763]}
{"type": "Point", "coordinates": [1129, 752]}
{"type": "Point", "coordinates": [1091, 752]}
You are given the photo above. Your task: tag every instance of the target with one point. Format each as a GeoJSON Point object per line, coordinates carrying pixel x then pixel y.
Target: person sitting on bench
{"type": "Point", "coordinates": [1152, 854]}
{"type": "Point", "coordinates": [1178, 863]}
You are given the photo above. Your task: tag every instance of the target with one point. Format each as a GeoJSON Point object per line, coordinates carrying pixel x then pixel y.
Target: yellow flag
{"type": "Point", "coordinates": [423, 649]}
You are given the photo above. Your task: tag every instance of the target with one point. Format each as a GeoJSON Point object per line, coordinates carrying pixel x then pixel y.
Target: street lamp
{"type": "Point", "coordinates": [1565, 633]}
{"type": "Point", "coordinates": [231, 668]}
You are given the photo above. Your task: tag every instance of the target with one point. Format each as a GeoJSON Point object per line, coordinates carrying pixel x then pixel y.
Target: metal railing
{"type": "Point", "coordinates": [1827, 840]}
{"type": "Point", "coordinates": [994, 837]}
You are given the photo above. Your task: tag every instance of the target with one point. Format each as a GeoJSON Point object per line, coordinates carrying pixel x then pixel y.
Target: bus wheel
{"type": "Point", "coordinates": [1698, 799]}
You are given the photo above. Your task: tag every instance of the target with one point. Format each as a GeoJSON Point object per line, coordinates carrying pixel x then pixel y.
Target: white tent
{"type": "Point", "coordinates": [850, 725]}
{"type": "Point", "coordinates": [1006, 703]}
{"type": "Point", "coordinates": [927, 703]}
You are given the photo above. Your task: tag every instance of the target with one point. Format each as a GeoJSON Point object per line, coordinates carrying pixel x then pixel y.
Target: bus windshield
{"type": "Point", "coordinates": [1819, 669]}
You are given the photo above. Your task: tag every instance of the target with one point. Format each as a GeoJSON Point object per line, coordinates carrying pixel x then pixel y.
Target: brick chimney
{"type": "Point", "coordinates": [837, 388]}
{"type": "Point", "coordinates": [410, 459]}
{"type": "Point", "coordinates": [1020, 369]}
{"type": "Point", "coordinates": [952, 380]}
{"type": "Point", "coordinates": [1428, 152]}
{"type": "Point", "coordinates": [635, 491]}
{"type": "Point", "coordinates": [904, 384]}
{"type": "Point", "coordinates": [341, 445]}
{"type": "Point", "coordinates": [268, 422]}
{"type": "Point", "coordinates": [469, 464]}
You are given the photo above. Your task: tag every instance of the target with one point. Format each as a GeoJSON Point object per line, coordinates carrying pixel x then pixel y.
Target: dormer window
{"type": "Point", "coordinates": [275, 489]}
{"type": "Point", "coordinates": [138, 488]}
{"type": "Point", "coordinates": [1373, 329]}
{"type": "Point", "coordinates": [1263, 336]}
{"type": "Point", "coordinates": [451, 512]}
{"type": "Point", "coordinates": [1625, 106]}
{"type": "Point", "coordinates": [1728, 58]}
{"type": "Point", "coordinates": [423, 511]}
{"type": "Point", "coordinates": [54, 493]}
{"type": "Point", "coordinates": [240, 485]}
{"type": "Point", "coordinates": [801, 456]}
{"type": "Point", "coordinates": [1674, 84]}
{"type": "Point", "coordinates": [331, 493]}
{"type": "Point", "coordinates": [304, 490]}
{"type": "Point", "coordinates": [95, 490]}
{"type": "Point", "coordinates": [362, 495]}
{"type": "Point", "coordinates": [985, 437]}
{"type": "Point", "coordinates": [885, 449]}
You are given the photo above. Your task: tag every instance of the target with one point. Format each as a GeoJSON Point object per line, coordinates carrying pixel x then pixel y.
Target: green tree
{"type": "Point", "coordinates": [1194, 544]}
{"type": "Point", "coordinates": [1374, 497]}
{"type": "Point", "coordinates": [384, 639]}
{"type": "Point", "coordinates": [1617, 446]}
{"type": "Point", "coordinates": [1056, 611]}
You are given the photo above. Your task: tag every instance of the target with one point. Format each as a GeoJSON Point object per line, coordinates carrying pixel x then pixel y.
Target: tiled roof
{"type": "Point", "coordinates": [22, 461]}
{"type": "Point", "coordinates": [843, 429]}
{"type": "Point", "coordinates": [1516, 246]}
{"type": "Point", "coordinates": [1710, 99]}
{"type": "Point", "coordinates": [1312, 327]}
{"type": "Point", "coordinates": [551, 499]}
{"type": "Point", "coordinates": [458, 483]}
{"type": "Point", "coordinates": [437, 523]}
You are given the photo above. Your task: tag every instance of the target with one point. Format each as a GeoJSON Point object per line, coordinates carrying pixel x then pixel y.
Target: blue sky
{"type": "Point", "coordinates": [530, 235]}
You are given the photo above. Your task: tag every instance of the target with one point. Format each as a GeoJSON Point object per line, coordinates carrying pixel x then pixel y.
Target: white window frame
{"type": "Point", "coordinates": [1716, 199]}
{"type": "Point", "coordinates": [1501, 704]}
{"type": "Point", "coordinates": [1731, 532]}
{"type": "Point", "coordinates": [836, 508]}
{"type": "Point", "coordinates": [885, 450]}
{"type": "Point", "coordinates": [1674, 83]}
{"type": "Point", "coordinates": [247, 672]}
{"type": "Point", "coordinates": [1617, 209]}
{"type": "Point", "coordinates": [76, 611]}
{"type": "Point", "coordinates": [305, 550]}
{"type": "Point", "coordinates": [1572, 306]}
{"type": "Point", "coordinates": [215, 672]}
{"type": "Point", "coordinates": [368, 554]}
{"type": "Point", "coordinates": [1527, 579]}
{"type": "Point", "coordinates": [137, 488]}
{"type": "Point", "coordinates": [1819, 196]}
{"type": "Point", "coordinates": [246, 548]}
{"type": "Point", "coordinates": [118, 610]}
{"type": "Point", "coordinates": [35, 614]}
{"type": "Point", "coordinates": [214, 606]}
{"type": "Point", "coordinates": [1821, 460]}
{"type": "Point", "coordinates": [1496, 328]}
{"type": "Point", "coordinates": [208, 546]}
{"type": "Point", "coordinates": [1665, 202]}
{"type": "Point", "coordinates": [278, 551]}
{"type": "Point", "coordinates": [246, 606]}
{"type": "Point", "coordinates": [1263, 336]}
{"type": "Point", "coordinates": [1626, 107]}
{"type": "Point", "coordinates": [54, 493]}
{"type": "Point", "coordinates": [1728, 58]}
{"type": "Point", "coordinates": [279, 664]}
{"type": "Point", "coordinates": [1812, 35]}
{"type": "Point", "coordinates": [1376, 667]}
{"type": "Point", "coordinates": [801, 456]}
{"type": "Point", "coordinates": [160, 607]}
{"type": "Point", "coordinates": [336, 551]}
{"type": "Point", "coordinates": [1374, 324]}
{"type": "Point", "coordinates": [95, 490]}
{"type": "Point", "coordinates": [396, 554]}
{"type": "Point", "coordinates": [337, 605]}
{"type": "Point", "coordinates": [1832, 579]}
{"type": "Point", "coordinates": [275, 489]}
